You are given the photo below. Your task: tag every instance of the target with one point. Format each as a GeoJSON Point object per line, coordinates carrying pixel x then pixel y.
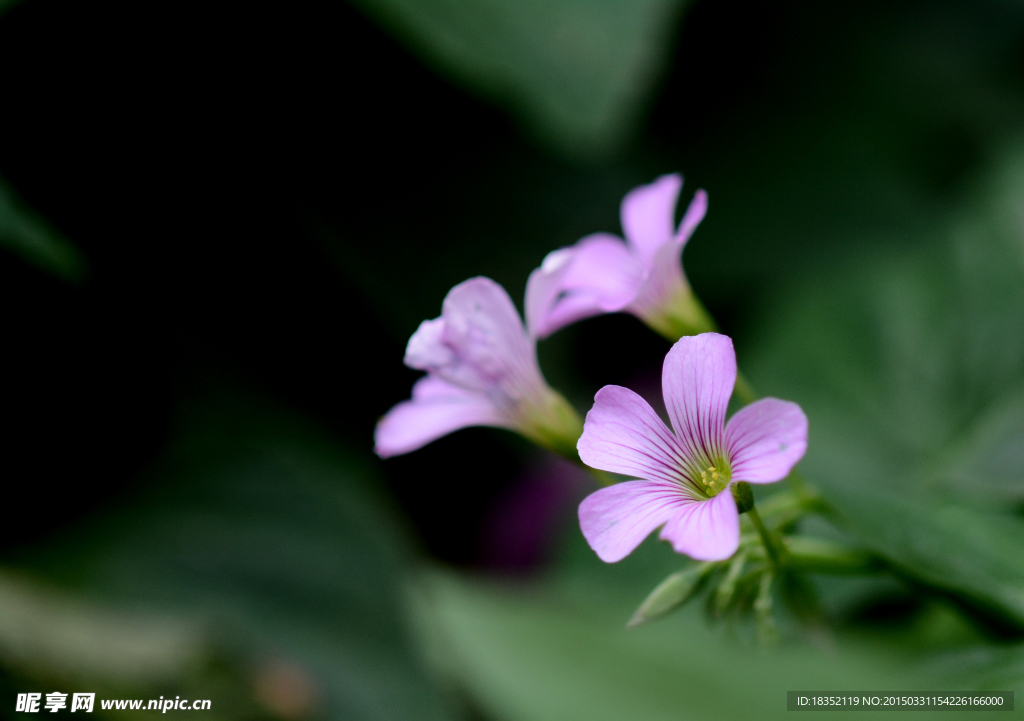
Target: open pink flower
{"type": "Point", "coordinates": [687, 473]}
{"type": "Point", "coordinates": [481, 371]}
{"type": "Point", "coordinates": [642, 276]}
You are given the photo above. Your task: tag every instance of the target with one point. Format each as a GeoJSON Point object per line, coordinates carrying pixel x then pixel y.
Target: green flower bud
{"type": "Point", "coordinates": [674, 591]}
{"type": "Point", "coordinates": [744, 496]}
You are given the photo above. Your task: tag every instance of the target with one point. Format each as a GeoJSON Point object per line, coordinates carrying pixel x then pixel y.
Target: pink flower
{"type": "Point", "coordinates": [481, 371]}
{"type": "Point", "coordinates": [642, 276]}
{"type": "Point", "coordinates": [687, 473]}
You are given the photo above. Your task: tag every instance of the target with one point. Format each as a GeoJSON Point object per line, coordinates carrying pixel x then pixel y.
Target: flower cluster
{"type": "Point", "coordinates": [482, 370]}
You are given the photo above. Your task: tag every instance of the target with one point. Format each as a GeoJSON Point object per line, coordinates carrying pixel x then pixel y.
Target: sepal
{"type": "Point", "coordinates": [673, 592]}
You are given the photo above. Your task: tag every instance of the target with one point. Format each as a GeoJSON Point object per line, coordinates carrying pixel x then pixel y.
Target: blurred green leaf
{"type": "Point", "coordinates": [28, 235]}
{"type": "Point", "coordinates": [984, 669]}
{"type": "Point", "coordinates": [989, 460]}
{"type": "Point", "coordinates": [577, 73]}
{"type": "Point", "coordinates": [532, 657]}
{"type": "Point", "coordinates": [48, 632]}
{"type": "Point", "coordinates": [909, 365]}
{"type": "Point", "coordinates": [974, 554]}
{"type": "Point", "coordinates": [278, 541]}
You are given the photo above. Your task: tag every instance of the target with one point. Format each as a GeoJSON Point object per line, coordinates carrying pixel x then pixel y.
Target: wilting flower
{"type": "Point", "coordinates": [642, 276]}
{"type": "Point", "coordinates": [686, 473]}
{"type": "Point", "coordinates": [481, 371]}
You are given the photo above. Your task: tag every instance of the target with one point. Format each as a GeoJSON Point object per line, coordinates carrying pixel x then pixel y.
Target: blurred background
{"type": "Point", "coordinates": [221, 223]}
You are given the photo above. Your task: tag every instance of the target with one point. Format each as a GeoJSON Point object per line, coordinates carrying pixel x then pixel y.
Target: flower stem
{"type": "Point", "coordinates": [766, 537]}
{"type": "Point", "coordinates": [819, 555]}
{"type": "Point", "coordinates": [682, 314]}
{"type": "Point", "coordinates": [767, 633]}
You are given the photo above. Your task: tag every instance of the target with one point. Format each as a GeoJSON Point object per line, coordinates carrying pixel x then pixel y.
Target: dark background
{"type": "Point", "coordinates": [271, 196]}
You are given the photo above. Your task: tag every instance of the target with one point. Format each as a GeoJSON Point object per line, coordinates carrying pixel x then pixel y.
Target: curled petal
{"type": "Point", "coordinates": [623, 434]}
{"type": "Point", "coordinates": [597, 275]}
{"type": "Point", "coordinates": [436, 409]}
{"type": "Point", "coordinates": [483, 326]}
{"type": "Point", "coordinates": [705, 530]}
{"type": "Point", "coordinates": [426, 348]}
{"type": "Point", "coordinates": [765, 440]}
{"type": "Point", "coordinates": [479, 343]}
{"type": "Point", "coordinates": [616, 519]}
{"type": "Point", "coordinates": [648, 214]}
{"type": "Point", "coordinates": [697, 381]}
{"type": "Point", "coordinates": [543, 288]}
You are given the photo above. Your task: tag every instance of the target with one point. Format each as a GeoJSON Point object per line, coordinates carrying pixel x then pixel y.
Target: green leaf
{"type": "Point", "coordinates": [281, 543]}
{"type": "Point", "coordinates": [974, 554]}
{"type": "Point", "coordinates": [577, 73]}
{"type": "Point", "coordinates": [28, 235]}
{"type": "Point", "coordinates": [532, 657]}
{"type": "Point", "coordinates": [52, 633]}
{"type": "Point", "coordinates": [910, 367]}
{"type": "Point", "coordinates": [987, 461]}
{"type": "Point", "coordinates": [997, 669]}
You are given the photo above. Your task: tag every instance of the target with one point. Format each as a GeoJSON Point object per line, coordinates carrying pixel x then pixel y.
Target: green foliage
{"type": "Point", "coordinates": [28, 235]}
{"type": "Point", "coordinates": [536, 658]}
{"type": "Point", "coordinates": [910, 371]}
{"type": "Point", "coordinates": [48, 632]}
{"type": "Point", "coordinates": [280, 546]}
{"type": "Point", "coordinates": [577, 73]}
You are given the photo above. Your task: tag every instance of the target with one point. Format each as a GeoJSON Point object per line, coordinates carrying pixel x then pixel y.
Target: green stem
{"type": "Point", "coordinates": [766, 538]}
{"type": "Point", "coordinates": [767, 634]}
{"type": "Point", "coordinates": [819, 555]}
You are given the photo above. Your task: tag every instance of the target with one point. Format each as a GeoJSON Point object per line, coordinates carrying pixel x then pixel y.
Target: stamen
{"type": "Point", "coordinates": [713, 481]}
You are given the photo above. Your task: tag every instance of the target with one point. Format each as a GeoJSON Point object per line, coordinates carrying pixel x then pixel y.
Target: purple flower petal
{"type": "Point", "coordinates": [543, 290]}
{"type": "Point", "coordinates": [697, 381]}
{"type": "Point", "coordinates": [765, 440]}
{"type": "Point", "coordinates": [694, 214]}
{"type": "Point", "coordinates": [604, 266]}
{"type": "Point", "coordinates": [426, 348]}
{"type": "Point", "coordinates": [664, 283]}
{"type": "Point", "coordinates": [479, 343]}
{"type": "Point", "coordinates": [623, 434]}
{"type": "Point", "coordinates": [437, 408]}
{"type": "Point", "coordinates": [616, 519]}
{"type": "Point", "coordinates": [648, 214]}
{"type": "Point", "coordinates": [705, 530]}
{"type": "Point", "coordinates": [597, 275]}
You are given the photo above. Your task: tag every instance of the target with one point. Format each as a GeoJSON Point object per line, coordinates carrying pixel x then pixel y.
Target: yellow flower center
{"type": "Point", "coordinates": [714, 480]}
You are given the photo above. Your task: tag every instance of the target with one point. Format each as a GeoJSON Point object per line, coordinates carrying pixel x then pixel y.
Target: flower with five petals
{"type": "Point", "coordinates": [686, 472]}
